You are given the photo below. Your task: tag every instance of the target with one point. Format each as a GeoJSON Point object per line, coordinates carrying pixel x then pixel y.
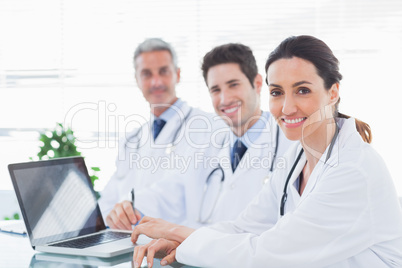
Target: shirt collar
{"type": "Point", "coordinates": [170, 112]}
{"type": "Point", "coordinates": [252, 134]}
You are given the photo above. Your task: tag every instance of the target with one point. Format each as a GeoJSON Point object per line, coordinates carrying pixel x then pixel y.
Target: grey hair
{"type": "Point", "coordinates": [155, 44]}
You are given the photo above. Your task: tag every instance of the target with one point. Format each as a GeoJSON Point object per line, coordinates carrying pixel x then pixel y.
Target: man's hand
{"type": "Point", "coordinates": [123, 216]}
{"type": "Point", "coordinates": [158, 248]}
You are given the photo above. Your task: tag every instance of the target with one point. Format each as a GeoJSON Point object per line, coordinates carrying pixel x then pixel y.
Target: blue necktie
{"type": "Point", "coordinates": [238, 151]}
{"type": "Point", "coordinates": [158, 125]}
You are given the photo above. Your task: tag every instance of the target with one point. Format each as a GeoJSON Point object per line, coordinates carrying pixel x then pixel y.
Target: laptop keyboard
{"type": "Point", "coordinates": [92, 240]}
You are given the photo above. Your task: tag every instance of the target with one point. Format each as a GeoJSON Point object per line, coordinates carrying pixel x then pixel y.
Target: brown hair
{"type": "Point", "coordinates": [231, 53]}
{"type": "Point", "coordinates": [327, 65]}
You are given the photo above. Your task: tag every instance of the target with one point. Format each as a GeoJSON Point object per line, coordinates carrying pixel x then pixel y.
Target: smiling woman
{"type": "Point", "coordinates": [304, 99]}
{"type": "Point", "coordinates": [307, 95]}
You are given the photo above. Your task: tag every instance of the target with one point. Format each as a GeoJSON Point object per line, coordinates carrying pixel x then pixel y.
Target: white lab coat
{"type": "Point", "coordinates": [348, 216]}
{"type": "Point", "coordinates": [142, 161]}
{"type": "Point", "coordinates": [179, 198]}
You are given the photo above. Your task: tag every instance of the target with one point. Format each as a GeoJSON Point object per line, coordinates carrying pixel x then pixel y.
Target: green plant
{"type": "Point", "coordinates": [95, 177]}
{"type": "Point", "coordinates": [60, 142]}
{"type": "Point", "coordinates": [16, 216]}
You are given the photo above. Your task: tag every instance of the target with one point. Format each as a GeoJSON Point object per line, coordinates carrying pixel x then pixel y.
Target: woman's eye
{"type": "Point", "coordinates": [304, 90]}
{"type": "Point", "coordinates": [275, 93]}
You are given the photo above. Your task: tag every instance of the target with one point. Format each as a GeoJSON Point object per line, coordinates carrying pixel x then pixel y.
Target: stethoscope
{"type": "Point", "coordinates": [285, 194]}
{"type": "Point", "coordinates": [171, 147]}
{"type": "Point", "coordinates": [205, 190]}
{"type": "Point", "coordinates": [220, 169]}
{"type": "Point", "coordinates": [271, 169]}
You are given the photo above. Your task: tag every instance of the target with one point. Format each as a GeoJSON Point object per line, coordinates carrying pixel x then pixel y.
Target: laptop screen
{"type": "Point", "coordinates": [56, 199]}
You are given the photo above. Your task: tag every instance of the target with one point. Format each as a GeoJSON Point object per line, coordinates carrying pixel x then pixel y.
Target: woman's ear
{"type": "Point", "coordinates": [334, 93]}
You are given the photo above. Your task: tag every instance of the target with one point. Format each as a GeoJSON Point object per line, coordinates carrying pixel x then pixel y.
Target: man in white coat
{"type": "Point", "coordinates": [214, 189]}
{"type": "Point", "coordinates": [169, 139]}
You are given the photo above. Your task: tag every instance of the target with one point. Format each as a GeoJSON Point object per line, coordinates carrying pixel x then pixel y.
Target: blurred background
{"type": "Point", "coordinates": [70, 62]}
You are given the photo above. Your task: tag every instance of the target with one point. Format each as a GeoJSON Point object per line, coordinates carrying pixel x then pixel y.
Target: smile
{"type": "Point", "coordinates": [294, 121]}
{"type": "Point", "coordinates": [157, 90]}
{"type": "Point", "coordinates": [231, 109]}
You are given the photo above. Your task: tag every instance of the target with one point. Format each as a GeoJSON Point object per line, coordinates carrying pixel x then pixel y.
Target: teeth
{"type": "Point", "coordinates": [231, 110]}
{"type": "Point", "coordinates": [294, 121]}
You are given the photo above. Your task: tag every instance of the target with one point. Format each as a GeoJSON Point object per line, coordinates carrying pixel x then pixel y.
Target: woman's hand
{"type": "Point", "coordinates": [158, 228]}
{"type": "Point", "coordinates": [159, 248]}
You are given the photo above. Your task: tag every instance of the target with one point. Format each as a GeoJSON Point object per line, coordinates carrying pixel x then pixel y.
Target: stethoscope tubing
{"type": "Point", "coordinates": [285, 194]}
{"type": "Point", "coordinates": [206, 185]}
{"type": "Point", "coordinates": [172, 144]}
{"type": "Point", "coordinates": [205, 189]}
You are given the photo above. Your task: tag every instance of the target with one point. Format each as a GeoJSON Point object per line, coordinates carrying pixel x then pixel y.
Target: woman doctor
{"type": "Point", "coordinates": [334, 205]}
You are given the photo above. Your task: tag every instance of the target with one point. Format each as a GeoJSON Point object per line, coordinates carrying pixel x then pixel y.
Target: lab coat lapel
{"type": "Point", "coordinates": [292, 187]}
{"type": "Point", "coordinates": [312, 180]}
{"type": "Point", "coordinates": [320, 167]}
{"type": "Point", "coordinates": [224, 160]}
{"type": "Point", "coordinates": [168, 133]}
{"type": "Point", "coordinates": [259, 150]}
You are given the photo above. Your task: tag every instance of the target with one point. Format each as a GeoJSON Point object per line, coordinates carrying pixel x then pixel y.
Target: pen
{"type": "Point", "coordinates": [132, 198]}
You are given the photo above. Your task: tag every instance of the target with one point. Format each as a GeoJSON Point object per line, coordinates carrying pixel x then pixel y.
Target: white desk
{"type": "Point", "coordinates": [16, 252]}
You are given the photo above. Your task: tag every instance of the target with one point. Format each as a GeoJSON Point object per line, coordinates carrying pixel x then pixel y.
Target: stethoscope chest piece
{"type": "Point", "coordinates": [170, 148]}
{"type": "Point", "coordinates": [266, 179]}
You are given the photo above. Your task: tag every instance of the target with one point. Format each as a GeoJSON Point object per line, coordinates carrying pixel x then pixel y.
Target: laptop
{"type": "Point", "coordinates": [61, 212]}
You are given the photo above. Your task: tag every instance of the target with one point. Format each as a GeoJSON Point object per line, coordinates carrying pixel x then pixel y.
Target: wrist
{"type": "Point", "coordinates": [179, 233]}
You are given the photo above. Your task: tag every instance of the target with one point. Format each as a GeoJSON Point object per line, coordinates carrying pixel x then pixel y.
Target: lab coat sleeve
{"type": "Point", "coordinates": [109, 197]}
{"type": "Point", "coordinates": [333, 223]}
{"type": "Point", "coordinates": [163, 199]}
{"type": "Point", "coordinates": [111, 194]}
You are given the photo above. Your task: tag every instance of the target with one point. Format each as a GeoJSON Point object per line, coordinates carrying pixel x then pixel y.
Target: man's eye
{"type": "Point", "coordinates": [145, 74]}
{"type": "Point", "coordinates": [163, 71]}
{"type": "Point", "coordinates": [233, 84]}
